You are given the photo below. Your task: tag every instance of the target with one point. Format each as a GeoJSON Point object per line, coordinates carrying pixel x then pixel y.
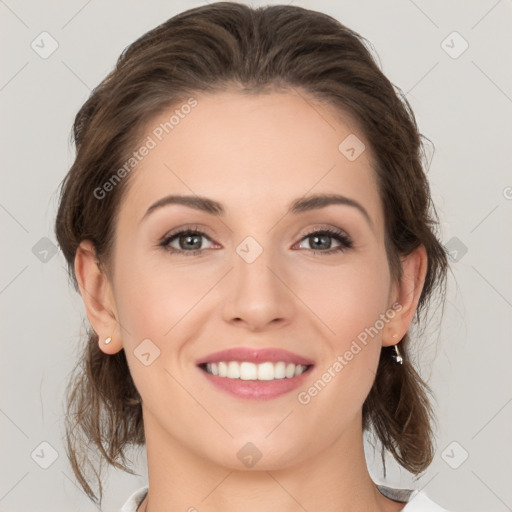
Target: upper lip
{"type": "Point", "coordinates": [255, 355]}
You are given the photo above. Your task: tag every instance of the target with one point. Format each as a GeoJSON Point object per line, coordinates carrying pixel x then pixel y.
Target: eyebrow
{"type": "Point", "coordinates": [300, 205]}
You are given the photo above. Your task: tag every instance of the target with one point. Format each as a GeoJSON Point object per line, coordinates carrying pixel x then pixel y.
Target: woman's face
{"type": "Point", "coordinates": [259, 272]}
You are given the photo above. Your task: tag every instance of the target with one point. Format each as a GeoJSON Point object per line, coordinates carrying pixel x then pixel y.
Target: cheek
{"type": "Point", "coordinates": [155, 297]}
{"type": "Point", "coordinates": [346, 299]}
{"type": "Point", "coordinates": [350, 302]}
{"type": "Point", "coordinates": [156, 304]}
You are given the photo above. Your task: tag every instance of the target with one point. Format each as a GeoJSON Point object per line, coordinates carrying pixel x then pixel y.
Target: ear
{"type": "Point", "coordinates": [406, 295]}
{"type": "Point", "coordinates": [96, 291]}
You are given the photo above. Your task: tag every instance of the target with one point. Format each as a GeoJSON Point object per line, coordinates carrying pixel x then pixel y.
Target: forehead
{"type": "Point", "coordinates": [248, 149]}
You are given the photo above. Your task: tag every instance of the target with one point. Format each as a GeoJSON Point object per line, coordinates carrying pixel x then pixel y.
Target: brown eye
{"type": "Point", "coordinates": [186, 242]}
{"type": "Point", "coordinates": [322, 241]}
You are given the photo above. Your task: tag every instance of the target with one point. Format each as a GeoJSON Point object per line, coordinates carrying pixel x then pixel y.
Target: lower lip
{"type": "Point", "coordinates": [256, 389]}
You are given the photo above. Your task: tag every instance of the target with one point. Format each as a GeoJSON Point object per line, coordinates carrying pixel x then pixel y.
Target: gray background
{"type": "Point", "coordinates": [463, 104]}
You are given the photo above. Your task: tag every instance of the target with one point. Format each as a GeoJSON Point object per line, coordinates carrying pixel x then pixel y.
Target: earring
{"type": "Point", "coordinates": [397, 356]}
{"type": "Point", "coordinates": [108, 340]}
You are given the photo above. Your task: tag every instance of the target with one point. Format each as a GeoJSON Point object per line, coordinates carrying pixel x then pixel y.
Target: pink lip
{"type": "Point", "coordinates": [255, 389]}
{"type": "Point", "coordinates": [255, 355]}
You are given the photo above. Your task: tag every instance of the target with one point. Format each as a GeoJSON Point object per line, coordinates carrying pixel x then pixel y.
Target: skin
{"type": "Point", "coordinates": [255, 154]}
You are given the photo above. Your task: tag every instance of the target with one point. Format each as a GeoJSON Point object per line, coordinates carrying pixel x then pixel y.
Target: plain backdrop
{"type": "Point", "coordinates": [452, 59]}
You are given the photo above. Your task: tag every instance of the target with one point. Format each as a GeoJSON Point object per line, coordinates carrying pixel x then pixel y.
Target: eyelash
{"type": "Point", "coordinates": [344, 240]}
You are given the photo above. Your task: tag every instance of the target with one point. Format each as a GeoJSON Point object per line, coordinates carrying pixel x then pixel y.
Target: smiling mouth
{"type": "Point", "coordinates": [245, 370]}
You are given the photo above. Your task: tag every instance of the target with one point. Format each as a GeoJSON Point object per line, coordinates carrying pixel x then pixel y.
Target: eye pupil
{"type": "Point", "coordinates": [190, 238]}
{"type": "Point", "coordinates": [324, 245]}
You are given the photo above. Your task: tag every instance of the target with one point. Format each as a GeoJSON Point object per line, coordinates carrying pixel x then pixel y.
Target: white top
{"type": "Point", "coordinates": [416, 501]}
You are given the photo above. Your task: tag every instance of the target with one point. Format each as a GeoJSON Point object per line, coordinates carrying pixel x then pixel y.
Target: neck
{"type": "Point", "coordinates": [333, 480]}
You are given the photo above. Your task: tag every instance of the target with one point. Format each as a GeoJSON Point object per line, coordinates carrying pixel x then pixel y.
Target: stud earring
{"type": "Point", "coordinates": [108, 340]}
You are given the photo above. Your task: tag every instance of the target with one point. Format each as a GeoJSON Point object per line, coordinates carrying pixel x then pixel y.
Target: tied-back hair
{"type": "Point", "coordinates": [212, 48]}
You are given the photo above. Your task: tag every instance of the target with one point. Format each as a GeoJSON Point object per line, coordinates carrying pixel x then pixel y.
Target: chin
{"type": "Point", "coordinates": [259, 453]}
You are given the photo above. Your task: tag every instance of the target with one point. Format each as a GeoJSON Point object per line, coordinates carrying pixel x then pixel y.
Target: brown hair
{"type": "Point", "coordinates": [207, 49]}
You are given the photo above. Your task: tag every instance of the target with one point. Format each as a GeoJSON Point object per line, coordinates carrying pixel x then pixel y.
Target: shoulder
{"type": "Point", "coordinates": [420, 502]}
{"type": "Point", "coordinates": [415, 501]}
{"type": "Point", "coordinates": [134, 500]}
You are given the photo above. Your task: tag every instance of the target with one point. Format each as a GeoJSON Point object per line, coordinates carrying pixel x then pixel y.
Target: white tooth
{"type": "Point", "coordinates": [279, 370]}
{"type": "Point", "coordinates": [290, 370]}
{"type": "Point", "coordinates": [299, 369]}
{"type": "Point", "coordinates": [266, 371]}
{"type": "Point", "coordinates": [233, 370]}
{"type": "Point", "coordinates": [223, 369]}
{"type": "Point", "coordinates": [248, 371]}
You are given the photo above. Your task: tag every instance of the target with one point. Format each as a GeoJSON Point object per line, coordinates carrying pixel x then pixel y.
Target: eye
{"type": "Point", "coordinates": [320, 241]}
{"type": "Point", "coordinates": [187, 242]}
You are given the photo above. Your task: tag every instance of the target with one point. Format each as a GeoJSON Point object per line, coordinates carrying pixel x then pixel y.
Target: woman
{"type": "Point", "coordinates": [250, 227]}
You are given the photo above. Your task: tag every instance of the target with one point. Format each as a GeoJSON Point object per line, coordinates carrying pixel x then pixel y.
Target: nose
{"type": "Point", "coordinates": [258, 294]}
